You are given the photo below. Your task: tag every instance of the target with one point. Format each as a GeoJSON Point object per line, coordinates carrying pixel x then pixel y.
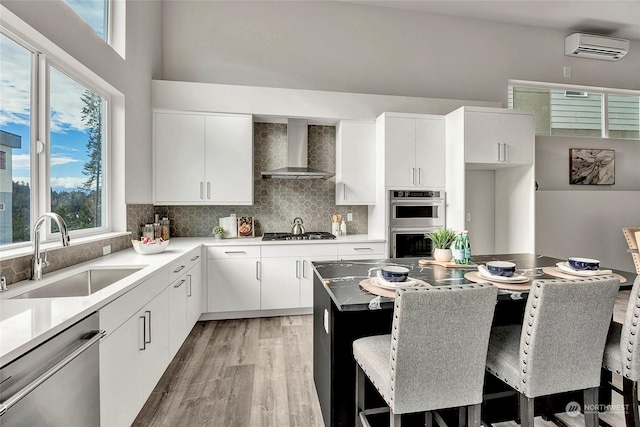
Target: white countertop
{"type": "Point", "coordinates": [26, 323]}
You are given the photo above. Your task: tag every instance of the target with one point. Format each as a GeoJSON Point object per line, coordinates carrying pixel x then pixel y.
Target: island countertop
{"type": "Point", "coordinates": [342, 278]}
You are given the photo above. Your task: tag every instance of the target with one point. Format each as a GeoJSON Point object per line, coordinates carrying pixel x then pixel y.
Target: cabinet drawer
{"type": "Point", "coordinates": [178, 268]}
{"type": "Point", "coordinates": [364, 249]}
{"type": "Point", "coordinates": [230, 252]}
{"type": "Point", "coordinates": [300, 250]}
{"type": "Point", "coordinates": [117, 312]}
{"type": "Point", "coordinates": [193, 257]}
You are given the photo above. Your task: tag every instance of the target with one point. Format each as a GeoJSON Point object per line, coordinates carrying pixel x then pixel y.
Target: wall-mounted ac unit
{"type": "Point", "coordinates": [595, 47]}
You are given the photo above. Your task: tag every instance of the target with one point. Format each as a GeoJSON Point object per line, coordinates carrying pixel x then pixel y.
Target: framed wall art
{"type": "Point", "coordinates": [592, 166]}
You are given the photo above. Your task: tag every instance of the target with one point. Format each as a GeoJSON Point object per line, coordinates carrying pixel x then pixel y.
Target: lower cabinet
{"type": "Point", "coordinates": [178, 329]}
{"type": "Point", "coordinates": [132, 360]}
{"type": "Point", "coordinates": [195, 301]}
{"type": "Point", "coordinates": [233, 278]}
{"type": "Point", "coordinates": [355, 251]}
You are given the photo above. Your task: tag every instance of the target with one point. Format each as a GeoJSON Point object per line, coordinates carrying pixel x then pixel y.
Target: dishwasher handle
{"type": "Point", "coordinates": [7, 404]}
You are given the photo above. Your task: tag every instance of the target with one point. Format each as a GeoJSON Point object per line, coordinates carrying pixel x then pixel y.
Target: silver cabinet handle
{"type": "Point", "coordinates": [234, 252]}
{"type": "Point", "coordinates": [419, 175]}
{"type": "Point", "coordinates": [208, 190]}
{"type": "Point", "coordinates": [196, 257]}
{"type": "Point", "coordinates": [362, 249]}
{"type": "Point", "coordinates": [142, 333]}
{"type": "Point", "coordinates": [344, 191]}
{"type": "Point", "coordinates": [15, 398]}
{"type": "Point", "coordinates": [201, 190]}
{"type": "Point", "coordinates": [180, 284]}
{"type": "Point", "coordinates": [148, 327]}
{"type": "Point", "coordinates": [177, 270]}
{"type": "Point", "coordinates": [297, 268]}
{"type": "Point", "coordinates": [499, 153]}
{"type": "Point", "coordinates": [189, 286]}
{"type": "Point", "coordinates": [258, 270]}
{"type": "Point", "coordinates": [304, 268]}
{"type": "Point", "coordinates": [413, 175]}
{"type": "Point", "coordinates": [504, 152]}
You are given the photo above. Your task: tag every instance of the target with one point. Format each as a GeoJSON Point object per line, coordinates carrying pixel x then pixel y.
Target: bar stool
{"type": "Point", "coordinates": [630, 235]}
{"type": "Point", "coordinates": [435, 356]}
{"type": "Point", "coordinates": [560, 345]}
{"type": "Point", "coordinates": [622, 355]}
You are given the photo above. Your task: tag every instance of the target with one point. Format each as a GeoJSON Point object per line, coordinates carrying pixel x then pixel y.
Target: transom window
{"type": "Point", "coordinates": [577, 110]}
{"type": "Point", "coordinates": [93, 12]}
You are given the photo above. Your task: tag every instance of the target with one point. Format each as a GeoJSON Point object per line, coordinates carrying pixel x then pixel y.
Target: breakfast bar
{"type": "Point", "coordinates": [343, 311]}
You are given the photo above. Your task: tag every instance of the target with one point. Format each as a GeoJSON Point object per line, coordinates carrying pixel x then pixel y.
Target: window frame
{"type": "Point", "coordinates": [605, 92]}
{"type": "Point", "coordinates": [40, 145]}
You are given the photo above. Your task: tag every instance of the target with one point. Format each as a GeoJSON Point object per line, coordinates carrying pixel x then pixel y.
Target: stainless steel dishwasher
{"type": "Point", "coordinates": [56, 383]}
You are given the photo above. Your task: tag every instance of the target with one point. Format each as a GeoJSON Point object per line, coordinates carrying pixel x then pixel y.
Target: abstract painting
{"type": "Point", "coordinates": [592, 166]}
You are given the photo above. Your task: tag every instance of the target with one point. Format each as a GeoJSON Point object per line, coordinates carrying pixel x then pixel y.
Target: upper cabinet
{"type": "Point", "coordinates": [355, 163]}
{"type": "Point", "coordinates": [496, 136]}
{"type": "Point", "coordinates": [203, 159]}
{"type": "Point", "coordinates": [414, 150]}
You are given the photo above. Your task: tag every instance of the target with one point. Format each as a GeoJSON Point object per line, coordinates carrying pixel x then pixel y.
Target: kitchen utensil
{"type": "Point", "coordinates": [297, 227]}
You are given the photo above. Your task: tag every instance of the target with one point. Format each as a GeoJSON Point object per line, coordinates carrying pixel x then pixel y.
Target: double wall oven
{"type": "Point", "coordinates": [412, 214]}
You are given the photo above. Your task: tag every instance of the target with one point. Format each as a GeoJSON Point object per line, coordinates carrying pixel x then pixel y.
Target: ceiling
{"type": "Point", "coordinates": [607, 17]}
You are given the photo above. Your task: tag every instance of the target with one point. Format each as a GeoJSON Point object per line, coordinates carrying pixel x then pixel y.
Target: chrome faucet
{"type": "Point", "coordinates": [38, 263]}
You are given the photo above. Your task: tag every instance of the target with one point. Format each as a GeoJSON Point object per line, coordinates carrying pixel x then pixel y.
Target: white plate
{"type": "Point", "coordinates": [566, 268]}
{"type": "Point", "coordinates": [484, 273]}
{"type": "Point", "coordinates": [381, 283]}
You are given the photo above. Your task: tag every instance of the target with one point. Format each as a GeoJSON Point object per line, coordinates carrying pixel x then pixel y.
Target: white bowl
{"type": "Point", "coordinates": [149, 248]}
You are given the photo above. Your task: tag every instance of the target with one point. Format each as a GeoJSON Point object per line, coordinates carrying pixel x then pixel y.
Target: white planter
{"type": "Point", "coordinates": [442, 255]}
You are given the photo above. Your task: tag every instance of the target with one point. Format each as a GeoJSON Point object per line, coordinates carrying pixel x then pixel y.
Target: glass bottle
{"type": "Point", "coordinates": [467, 247]}
{"type": "Point", "coordinates": [458, 250]}
{"type": "Point", "coordinates": [164, 224]}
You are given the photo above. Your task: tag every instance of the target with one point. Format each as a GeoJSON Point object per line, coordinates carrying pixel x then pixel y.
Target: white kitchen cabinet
{"type": "Point", "coordinates": [306, 277]}
{"type": "Point", "coordinates": [233, 282]}
{"type": "Point", "coordinates": [177, 314]}
{"type": "Point", "coordinates": [354, 251]}
{"type": "Point", "coordinates": [355, 163]}
{"type": "Point", "coordinates": [132, 360]}
{"type": "Point", "coordinates": [414, 147]}
{"type": "Point", "coordinates": [194, 293]}
{"type": "Point", "coordinates": [498, 136]}
{"type": "Point", "coordinates": [203, 159]}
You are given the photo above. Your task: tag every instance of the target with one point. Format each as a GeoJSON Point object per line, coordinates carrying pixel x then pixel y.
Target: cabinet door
{"type": "Point", "coordinates": [356, 163]}
{"type": "Point", "coordinates": [229, 160]}
{"type": "Point", "coordinates": [399, 148]}
{"type": "Point", "coordinates": [518, 135]}
{"type": "Point", "coordinates": [194, 295]}
{"type": "Point", "coordinates": [178, 329]}
{"type": "Point", "coordinates": [179, 158]}
{"type": "Point", "coordinates": [233, 285]}
{"type": "Point", "coordinates": [121, 376]}
{"type": "Point", "coordinates": [155, 356]}
{"type": "Point", "coordinates": [280, 282]}
{"type": "Point", "coordinates": [430, 153]}
{"type": "Point", "coordinates": [482, 137]}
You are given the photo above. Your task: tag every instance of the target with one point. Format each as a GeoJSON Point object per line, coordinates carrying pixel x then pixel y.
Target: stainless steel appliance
{"type": "Point", "coordinates": [311, 235]}
{"type": "Point", "coordinates": [57, 383]}
{"type": "Point", "coordinates": [412, 215]}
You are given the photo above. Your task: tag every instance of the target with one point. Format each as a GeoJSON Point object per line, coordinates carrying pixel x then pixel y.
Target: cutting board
{"type": "Point", "coordinates": [230, 227]}
{"type": "Point", "coordinates": [556, 272]}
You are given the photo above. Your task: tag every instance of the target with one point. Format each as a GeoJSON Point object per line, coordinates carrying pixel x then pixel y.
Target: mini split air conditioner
{"type": "Point", "coordinates": [595, 47]}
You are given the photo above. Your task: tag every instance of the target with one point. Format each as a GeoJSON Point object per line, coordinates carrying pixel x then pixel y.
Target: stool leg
{"type": "Point", "coordinates": [473, 415]}
{"type": "Point", "coordinates": [591, 407]}
{"type": "Point", "coordinates": [526, 411]}
{"type": "Point", "coordinates": [394, 419]}
{"type": "Point", "coordinates": [360, 377]}
{"type": "Point", "coordinates": [630, 396]}
{"type": "Point", "coordinates": [428, 419]}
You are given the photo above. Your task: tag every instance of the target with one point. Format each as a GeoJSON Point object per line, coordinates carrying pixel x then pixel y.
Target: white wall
{"type": "Point", "coordinates": [347, 47]}
{"type": "Point", "coordinates": [131, 76]}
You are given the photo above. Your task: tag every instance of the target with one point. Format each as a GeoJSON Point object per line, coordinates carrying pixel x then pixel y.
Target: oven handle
{"type": "Point", "coordinates": [412, 229]}
{"type": "Point", "coordinates": [417, 202]}
{"type": "Point", "coordinates": [15, 398]}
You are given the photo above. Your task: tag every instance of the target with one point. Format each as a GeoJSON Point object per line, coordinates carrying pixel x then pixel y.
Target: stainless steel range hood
{"type": "Point", "coordinates": [297, 163]}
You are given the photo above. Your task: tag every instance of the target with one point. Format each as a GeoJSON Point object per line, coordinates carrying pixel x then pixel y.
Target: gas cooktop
{"type": "Point", "coordinates": [312, 235]}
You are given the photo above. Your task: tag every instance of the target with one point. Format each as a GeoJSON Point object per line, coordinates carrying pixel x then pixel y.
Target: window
{"type": "Point", "coordinates": [67, 175]}
{"type": "Point", "coordinates": [3, 160]}
{"type": "Point", "coordinates": [578, 111]}
{"type": "Point", "coordinates": [93, 12]}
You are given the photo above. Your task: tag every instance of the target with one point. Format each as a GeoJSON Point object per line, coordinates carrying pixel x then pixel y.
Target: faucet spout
{"type": "Point", "coordinates": [37, 263]}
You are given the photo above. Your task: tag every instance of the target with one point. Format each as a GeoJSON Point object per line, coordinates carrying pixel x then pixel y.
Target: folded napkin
{"type": "Point", "coordinates": [566, 268]}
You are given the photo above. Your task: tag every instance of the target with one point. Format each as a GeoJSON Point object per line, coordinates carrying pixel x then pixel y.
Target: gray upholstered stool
{"type": "Point", "coordinates": [435, 355]}
{"type": "Point", "coordinates": [622, 355]}
{"type": "Point", "coordinates": [560, 345]}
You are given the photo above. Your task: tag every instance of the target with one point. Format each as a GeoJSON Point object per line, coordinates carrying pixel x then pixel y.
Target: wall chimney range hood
{"type": "Point", "coordinates": [297, 163]}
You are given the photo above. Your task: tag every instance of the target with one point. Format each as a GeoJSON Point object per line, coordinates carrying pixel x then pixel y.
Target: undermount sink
{"type": "Point", "coordinates": [81, 284]}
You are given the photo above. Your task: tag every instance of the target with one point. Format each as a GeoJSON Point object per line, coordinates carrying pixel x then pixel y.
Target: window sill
{"type": "Point", "coordinates": [28, 250]}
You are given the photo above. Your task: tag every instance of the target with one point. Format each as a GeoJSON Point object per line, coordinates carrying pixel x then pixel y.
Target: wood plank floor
{"type": "Point", "coordinates": [248, 372]}
{"type": "Point", "coordinates": [256, 373]}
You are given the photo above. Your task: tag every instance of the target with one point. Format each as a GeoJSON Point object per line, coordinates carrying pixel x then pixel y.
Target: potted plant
{"type": "Point", "coordinates": [217, 232]}
{"type": "Point", "coordinates": [442, 240]}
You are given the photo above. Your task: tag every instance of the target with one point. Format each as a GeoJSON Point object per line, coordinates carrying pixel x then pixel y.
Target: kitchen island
{"type": "Point", "coordinates": [344, 312]}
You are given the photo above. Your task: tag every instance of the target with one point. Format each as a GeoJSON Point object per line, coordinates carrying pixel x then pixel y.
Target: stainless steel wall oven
{"type": "Point", "coordinates": [412, 214]}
